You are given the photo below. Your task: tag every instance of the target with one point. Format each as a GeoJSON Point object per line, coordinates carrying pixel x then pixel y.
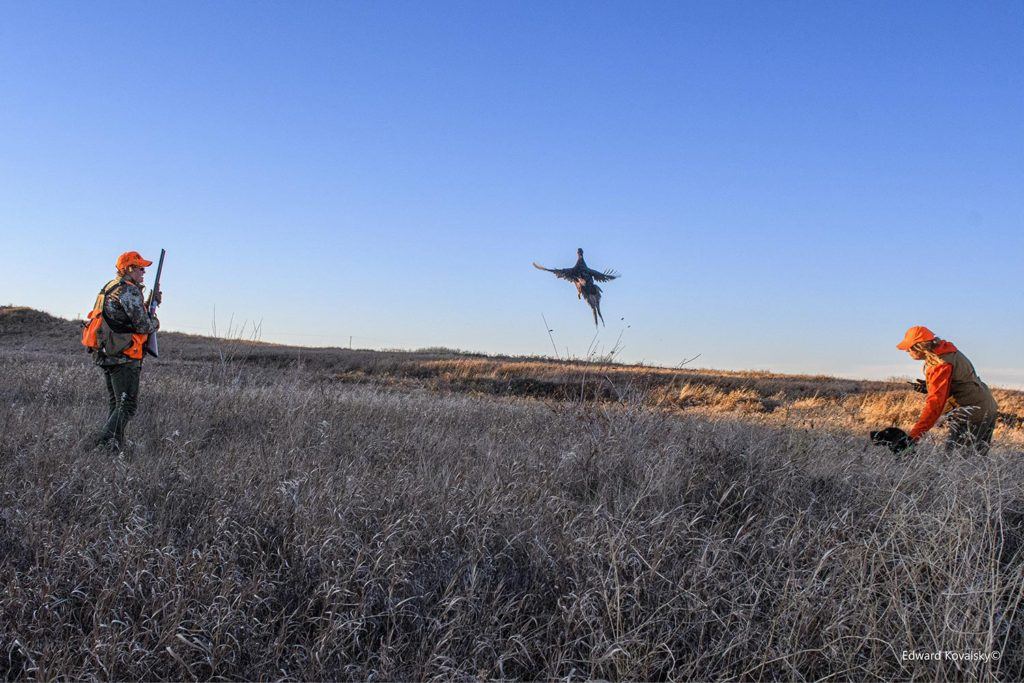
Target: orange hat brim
{"type": "Point", "coordinates": [915, 335]}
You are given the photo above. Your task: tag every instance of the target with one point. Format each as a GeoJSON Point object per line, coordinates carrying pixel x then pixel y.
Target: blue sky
{"type": "Point", "coordinates": [783, 185]}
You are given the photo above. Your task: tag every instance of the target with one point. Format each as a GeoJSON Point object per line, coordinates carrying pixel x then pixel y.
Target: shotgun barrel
{"type": "Point", "coordinates": [152, 346]}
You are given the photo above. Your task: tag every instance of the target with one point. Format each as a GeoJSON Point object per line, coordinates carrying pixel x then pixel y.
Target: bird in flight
{"type": "Point", "coordinates": [583, 277]}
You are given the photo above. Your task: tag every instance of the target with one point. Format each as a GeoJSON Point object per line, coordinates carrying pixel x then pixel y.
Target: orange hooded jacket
{"type": "Point", "coordinates": [938, 377]}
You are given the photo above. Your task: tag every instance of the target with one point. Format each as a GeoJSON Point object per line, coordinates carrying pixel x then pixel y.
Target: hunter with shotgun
{"type": "Point", "coordinates": [120, 331]}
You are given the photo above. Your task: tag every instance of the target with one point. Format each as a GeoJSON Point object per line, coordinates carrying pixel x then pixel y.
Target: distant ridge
{"type": "Point", "coordinates": [21, 324]}
{"type": "Point", "coordinates": [26, 329]}
{"type": "Point", "coordinates": [32, 330]}
{"type": "Point", "coordinates": [25, 321]}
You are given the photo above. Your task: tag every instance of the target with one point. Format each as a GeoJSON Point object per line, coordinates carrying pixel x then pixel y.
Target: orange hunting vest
{"type": "Point", "coordinates": [97, 335]}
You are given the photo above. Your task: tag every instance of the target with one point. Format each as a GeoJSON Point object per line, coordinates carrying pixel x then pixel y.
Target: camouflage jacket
{"type": "Point", "coordinates": [124, 312]}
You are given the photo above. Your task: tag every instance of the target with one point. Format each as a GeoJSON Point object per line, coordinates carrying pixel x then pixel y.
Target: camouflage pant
{"type": "Point", "coordinates": [123, 396]}
{"type": "Point", "coordinates": [973, 435]}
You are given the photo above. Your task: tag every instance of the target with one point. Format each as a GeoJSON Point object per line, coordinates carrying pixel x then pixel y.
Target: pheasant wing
{"type": "Point", "coordinates": [606, 276]}
{"type": "Point", "coordinates": [564, 273]}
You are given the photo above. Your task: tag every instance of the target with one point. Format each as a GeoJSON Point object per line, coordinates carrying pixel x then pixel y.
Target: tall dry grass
{"type": "Point", "coordinates": [281, 522]}
{"type": "Point", "coordinates": [267, 525]}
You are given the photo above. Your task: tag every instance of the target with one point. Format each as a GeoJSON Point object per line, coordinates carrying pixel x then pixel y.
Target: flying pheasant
{"type": "Point", "coordinates": [583, 277]}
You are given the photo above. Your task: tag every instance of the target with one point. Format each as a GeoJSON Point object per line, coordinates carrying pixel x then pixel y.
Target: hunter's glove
{"type": "Point", "coordinates": [919, 385]}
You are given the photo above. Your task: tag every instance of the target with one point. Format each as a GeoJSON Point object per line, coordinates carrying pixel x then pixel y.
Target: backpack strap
{"type": "Point", "coordinates": [102, 296]}
{"type": "Point", "coordinates": [107, 289]}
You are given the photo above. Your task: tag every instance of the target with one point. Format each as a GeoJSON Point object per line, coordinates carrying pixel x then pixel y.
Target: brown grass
{"type": "Point", "coordinates": [279, 519]}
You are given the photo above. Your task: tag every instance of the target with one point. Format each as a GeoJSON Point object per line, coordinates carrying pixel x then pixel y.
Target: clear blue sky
{"type": "Point", "coordinates": [784, 185]}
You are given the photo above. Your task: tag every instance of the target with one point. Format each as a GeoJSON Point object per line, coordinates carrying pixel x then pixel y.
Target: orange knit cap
{"type": "Point", "coordinates": [915, 335]}
{"type": "Point", "coordinates": [129, 259]}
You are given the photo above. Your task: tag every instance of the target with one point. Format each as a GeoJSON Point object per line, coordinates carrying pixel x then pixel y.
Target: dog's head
{"type": "Point", "coordinates": [895, 438]}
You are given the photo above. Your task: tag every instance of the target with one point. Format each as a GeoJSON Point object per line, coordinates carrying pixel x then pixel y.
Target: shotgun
{"type": "Point", "coordinates": [152, 347]}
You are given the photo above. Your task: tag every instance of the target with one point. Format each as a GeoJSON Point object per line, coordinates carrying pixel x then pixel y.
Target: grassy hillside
{"type": "Point", "coordinates": [793, 400]}
{"type": "Point", "coordinates": [335, 514]}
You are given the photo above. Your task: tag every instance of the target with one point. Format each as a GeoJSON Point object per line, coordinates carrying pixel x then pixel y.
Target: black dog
{"type": "Point", "coordinates": [895, 438]}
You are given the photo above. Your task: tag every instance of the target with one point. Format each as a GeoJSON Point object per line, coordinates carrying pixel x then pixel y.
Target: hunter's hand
{"type": "Point", "coordinates": [919, 385]}
{"type": "Point", "coordinates": [158, 297]}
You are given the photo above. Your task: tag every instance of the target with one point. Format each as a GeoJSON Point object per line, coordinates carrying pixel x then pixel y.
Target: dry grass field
{"type": "Point", "coordinates": [316, 514]}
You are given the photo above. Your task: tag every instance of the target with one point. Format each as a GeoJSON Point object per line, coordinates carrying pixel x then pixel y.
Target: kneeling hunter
{"type": "Point", "coordinates": [950, 375]}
